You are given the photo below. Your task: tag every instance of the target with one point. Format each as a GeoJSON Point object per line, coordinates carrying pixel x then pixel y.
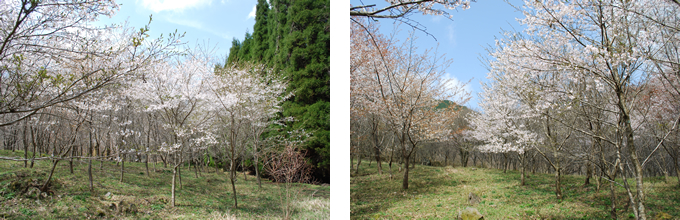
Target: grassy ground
{"type": "Point", "coordinates": [206, 197]}
{"type": "Point", "coordinates": [440, 192]}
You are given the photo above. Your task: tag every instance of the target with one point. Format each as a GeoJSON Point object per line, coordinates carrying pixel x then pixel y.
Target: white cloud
{"type": "Point", "coordinates": [452, 35]}
{"type": "Point", "coordinates": [252, 13]}
{"type": "Point", "coordinates": [173, 5]}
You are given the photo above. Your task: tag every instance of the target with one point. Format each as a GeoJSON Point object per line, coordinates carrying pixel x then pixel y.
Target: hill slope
{"type": "Point", "coordinates": [141, 197]}
{"type": "Point", "coordinates": [440, 192]}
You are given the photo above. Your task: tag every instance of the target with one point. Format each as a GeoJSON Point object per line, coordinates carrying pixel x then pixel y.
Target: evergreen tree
{"type": "Point", "coordinates": [261, 31]}
{"type": "Point", "coordinates": [305, 59]}
{"type": "Point", "coordinates": [233, 52]}
{"type": "Point", "coordinates": [244, 54]}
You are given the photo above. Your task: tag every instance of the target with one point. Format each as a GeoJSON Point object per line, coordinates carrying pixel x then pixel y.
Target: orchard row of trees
{"type": "Point", "coordinates": [71, 91]}
{"type": "Point", "coordinates": [595, 82]}
{"type": "Point", "coordinates": [293, 38]}
{"type": "Point", "coordinates": [588, 87]}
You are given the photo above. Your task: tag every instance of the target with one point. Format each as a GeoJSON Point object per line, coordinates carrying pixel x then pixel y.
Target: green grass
{"type": "Point", "coordinates": [440, 192]}
{"type": "Point", "coordinates": [207, 197]}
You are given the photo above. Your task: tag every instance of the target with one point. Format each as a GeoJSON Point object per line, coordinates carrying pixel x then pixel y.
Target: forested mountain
{"type": "Point", "coordinates": [293, 38]}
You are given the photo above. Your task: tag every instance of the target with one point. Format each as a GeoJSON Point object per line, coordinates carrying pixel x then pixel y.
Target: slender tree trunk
{"type": "Point", "coordinates": [356, 172]}
{"type": "Point", "coordinates": [122, 168]}
{"type": "Point", "coordinates": [179, 174]}
{"type": "Point", "coordinates": [377, 159]}
{"type": "Point", "coordinates": [25, 139]}
{"type": "Point", "coordinates": [89, 161]}
{"type": "Point", "coordinates": [558, 182]}
{"type": "Point", "coordinates": [70, 162]}
{"type": "Point", "coordinates": [146, 164]}
{"type": "Point", "coordinates": [232, 175]}
{"type": "Point", "coordinates": [404, 184]}
{"type": "Point", "coordinates": [257, 171]}
{"type": "Point", "coordinates": [174, 174]}
{"type": "Point", "coordinates": [47, 182]}
{"type": "Point", "coordinates": [630, 142]}
{"type": "Point", "coordinates": [522, 165]}
{"type": "Point", "coordinates": [33, 140]}
{"type": "Point", "coordinates": [589, 173]}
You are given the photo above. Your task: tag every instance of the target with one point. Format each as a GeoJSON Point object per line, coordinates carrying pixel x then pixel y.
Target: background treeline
{"type": "Point", "coordinates": [293, 38]}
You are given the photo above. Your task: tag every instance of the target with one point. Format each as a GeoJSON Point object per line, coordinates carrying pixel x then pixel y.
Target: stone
{"type": "Point", "coordinates": [470, 213]}
{"type": "Point", "coordinates": [108, 195]}
{"type": "Point", "coordinates": [473, 199]}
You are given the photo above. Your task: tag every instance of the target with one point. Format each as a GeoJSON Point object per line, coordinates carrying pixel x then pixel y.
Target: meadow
{"type": "Point", "coordinates": [139, 196]}
{"type": "Point", "coordinates": [440, 192]}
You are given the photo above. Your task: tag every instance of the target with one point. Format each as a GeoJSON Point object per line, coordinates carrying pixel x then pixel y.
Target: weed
{"type": "Point", "coordinates": [26, 211]}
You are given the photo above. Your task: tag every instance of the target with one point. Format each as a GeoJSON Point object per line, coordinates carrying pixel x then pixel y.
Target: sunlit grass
{"type": "Point", "coordinates": [207, 197]}
{"type": "Point", "coordinates": [440, 192]}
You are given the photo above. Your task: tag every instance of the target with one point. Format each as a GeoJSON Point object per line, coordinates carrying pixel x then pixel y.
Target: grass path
{"type": "Point", "coordinates": [440, 192]}
{"type": "Point", "coordinates": [206, 197]}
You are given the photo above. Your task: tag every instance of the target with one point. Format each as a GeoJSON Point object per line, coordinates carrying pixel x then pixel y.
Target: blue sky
{"type": "Point", "coordinates": [211, 22]}
{"type": "Point", "coordinates": [217, 22]}
{"type": "Point", "coordinates": [463, 38]}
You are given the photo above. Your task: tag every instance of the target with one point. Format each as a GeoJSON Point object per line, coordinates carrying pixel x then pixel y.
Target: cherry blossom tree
{"type": "Point", "coordinates": [244, 96]}
{"type": "Point", "coordinates": [404, 88]}
{"type": "Point", "coordinates": [176, 91]}
{"type": "Point", "coordinates": [50, 53]}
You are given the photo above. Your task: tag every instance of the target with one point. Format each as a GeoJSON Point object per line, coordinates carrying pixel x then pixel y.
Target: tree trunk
{"type": "Point", "coordinates": [558, 181]}
{"type": "Point", "coordinates": [356, 171]}
{"type": "Point", "coordinates": [35, 145]}
{"type": "Point", "coordinates": [174, 174]}
{"type": "Point", "coordinates": [404, 183]}
{"type": "Point", "coordinates": [25, 145]}
{"type": "Point", "coordinates": [522, 165]}
{"type": "Point", "coordinates": [54, 165]}
{"type": "Point", "coordinates": [232, 175]}
{"type": "Point", "coordinates": [146, 164]}
{"type": "Point", "coordinates": [70, 163]}
{"type": "Point", "coordinates": [377, 159]}
{"type": "Point", "coordinates": [257, 172]}
{"type": "Point", "coordinates": [122, 168]}
{"type": "Point", "coordinates": [638, 171]}
{"type": "Point", "coordinates": [89, 161]}
{"type": "Point", "coordinates": [589, 174]}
